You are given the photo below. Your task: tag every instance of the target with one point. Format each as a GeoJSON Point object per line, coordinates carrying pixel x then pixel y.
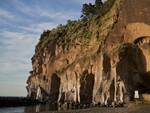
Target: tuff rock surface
{"type": "Point", "coordinates": [101, 60]}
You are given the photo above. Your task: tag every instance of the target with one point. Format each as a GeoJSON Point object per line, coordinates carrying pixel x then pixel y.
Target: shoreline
{"type": "Point", "coordinates": [129, 108]}
{"type": "Point", "coordinates": [132, 107]}
{"type": "Point", "coordinates": [17, 101]}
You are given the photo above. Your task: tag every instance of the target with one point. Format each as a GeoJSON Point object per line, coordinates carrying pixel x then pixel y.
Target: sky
{"type": "Point", "coordinates": [21, 23]}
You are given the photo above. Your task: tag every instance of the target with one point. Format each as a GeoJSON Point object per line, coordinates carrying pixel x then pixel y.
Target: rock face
{"type": "Point", "coordinates": [100, 60]}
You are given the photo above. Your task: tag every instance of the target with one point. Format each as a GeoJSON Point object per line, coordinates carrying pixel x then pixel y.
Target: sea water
{"type": "Point", "coordinates": [12, 110]}
{"type": "Point", "coordinates": [28, 109]}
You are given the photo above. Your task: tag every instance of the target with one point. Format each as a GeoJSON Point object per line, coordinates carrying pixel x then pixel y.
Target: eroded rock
{"type": "Point", "coordinates": [106, 71]}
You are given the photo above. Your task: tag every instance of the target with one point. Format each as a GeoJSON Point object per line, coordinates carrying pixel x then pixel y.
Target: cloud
{"type": "Point", "coordinates": [26, 9]}
{"type": "Point", "coordinates": [17, 49]}
{"type": "Point", "coordinates": [84, 1]}
{"type": "Point", "coordinates": [63, 15]}
{"type": "Point", "coordinates": [15, 39]}
{"type": "Point", "coordinates": [46, 12]}
{"type": "Point", "coordinates": [8, 17]}
{"type": "Point", "coordinates": [4, 14]}
{"type": "Point", "coordinates": [38, 28]}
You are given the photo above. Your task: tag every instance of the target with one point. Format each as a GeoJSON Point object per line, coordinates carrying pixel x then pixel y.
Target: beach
{"type": "Point", "coordinates": [130, 108]}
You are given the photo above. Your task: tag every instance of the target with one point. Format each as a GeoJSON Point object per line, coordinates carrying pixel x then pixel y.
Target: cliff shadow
{"type": "Point", "coordinates": [54, 90]}
{"type": "Point", "coordinates": [86, 89]}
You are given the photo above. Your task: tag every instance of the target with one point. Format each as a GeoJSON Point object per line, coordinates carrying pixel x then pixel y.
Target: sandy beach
{"type": "Point", "coordinates": [130, 108]}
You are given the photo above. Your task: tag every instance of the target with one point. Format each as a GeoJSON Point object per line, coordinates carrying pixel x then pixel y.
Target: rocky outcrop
{"type": "Point", "coordinates": [100, 60]}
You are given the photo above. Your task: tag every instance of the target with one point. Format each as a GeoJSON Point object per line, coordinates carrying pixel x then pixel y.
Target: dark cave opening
{"type": "Point", "coordinates": [86, 89]}
{"type": "Point", "coordinates": [131, 64]}
{"type": "Point", "coordinates": [54, 90]}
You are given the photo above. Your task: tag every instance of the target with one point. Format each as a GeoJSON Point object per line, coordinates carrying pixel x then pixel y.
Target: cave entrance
{"type": "Point", "coordinates": [86, 89]}
{"type": "Point", "coordinates": [54, 90]}
{"type": "Point", "coordinates": [131, 64]}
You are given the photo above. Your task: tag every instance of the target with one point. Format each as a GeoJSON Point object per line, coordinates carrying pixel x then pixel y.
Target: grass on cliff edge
{"type": "Point", "coordinates": [74, 29]}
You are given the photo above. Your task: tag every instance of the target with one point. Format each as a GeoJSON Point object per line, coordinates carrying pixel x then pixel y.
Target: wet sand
{"type": "Point", "coordinates": [130, 108]}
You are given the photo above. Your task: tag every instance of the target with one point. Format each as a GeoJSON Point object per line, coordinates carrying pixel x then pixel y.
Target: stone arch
{"type": "Point", "coordinates": [86, 88]}
{"type": "Point", "coordinates": [54, 90]}
{"type": "Point", "coordinates": [136, 30]}
{"type": "Point", "coordinates": [144, 44]}
{"type": "Point", "coordinates": [139, 34]}
{"type": "Point", "coordinates": [143, 39]}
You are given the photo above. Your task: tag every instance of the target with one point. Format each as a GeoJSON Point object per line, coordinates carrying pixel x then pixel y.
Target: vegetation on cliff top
{"type": "Point", "coordinates": [99, 8]}
{"type": "Point", "coordinates": [91, 15]}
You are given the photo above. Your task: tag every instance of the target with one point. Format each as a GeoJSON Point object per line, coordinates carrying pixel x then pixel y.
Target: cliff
{"type": "Point", "coordinates": [103, 59]}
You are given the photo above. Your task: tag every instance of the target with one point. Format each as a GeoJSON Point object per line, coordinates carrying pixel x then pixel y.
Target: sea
{"type": "Point", "coordinates": [27, 109]}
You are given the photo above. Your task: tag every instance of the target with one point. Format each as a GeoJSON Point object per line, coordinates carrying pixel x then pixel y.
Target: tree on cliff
{"type": "Point", "coordinates": [98, 7]}
{"type": "Point", "coordinates": [98, 4]}
{"type": "Point", "coordinates": [90, 10]}
{"type": "Point", "coordinates": [87, 10]}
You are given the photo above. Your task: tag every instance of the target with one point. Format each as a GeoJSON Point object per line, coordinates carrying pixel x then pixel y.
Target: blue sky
{"type": "Point", "coordinates": [21, 23]}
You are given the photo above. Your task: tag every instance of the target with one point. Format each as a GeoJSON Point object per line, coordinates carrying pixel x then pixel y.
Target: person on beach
{"type": "Point", "coordinates": [121, 90]}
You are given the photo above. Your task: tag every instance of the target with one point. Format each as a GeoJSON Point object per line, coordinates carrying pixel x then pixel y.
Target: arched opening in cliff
{"type": "Point", "coordinates": [54, 90]}
{"type": "Point", "coordinates": [86, 89]}
{"type": "Point", "coordinates": [131, 64]}
{"type": "Point", "coordinates": [144, 44]}
{"type": "Point", "coordinates": [142, 40]}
